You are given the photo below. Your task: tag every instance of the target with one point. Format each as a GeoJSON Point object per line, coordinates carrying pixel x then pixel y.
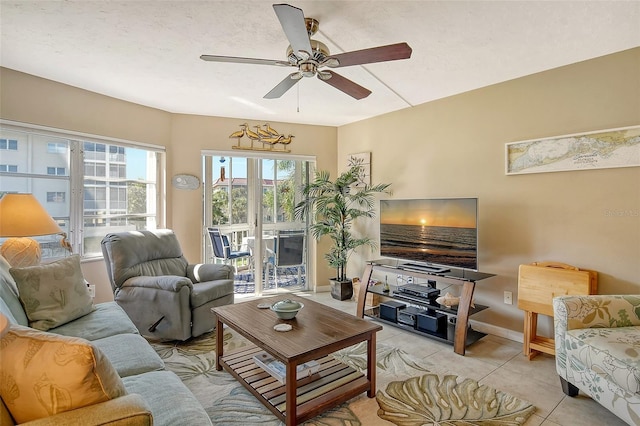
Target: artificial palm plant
{"type": "Point", "coordinates": [335, 205]}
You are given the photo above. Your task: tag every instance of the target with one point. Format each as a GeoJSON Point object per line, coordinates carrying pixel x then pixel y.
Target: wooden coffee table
{"type": "Point", "coordinates": [318, 331]}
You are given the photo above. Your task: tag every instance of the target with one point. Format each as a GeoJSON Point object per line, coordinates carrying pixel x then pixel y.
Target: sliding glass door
{"type": "Point", "coordinates": [251, 199]}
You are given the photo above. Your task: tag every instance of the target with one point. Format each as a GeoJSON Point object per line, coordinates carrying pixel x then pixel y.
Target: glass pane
{"type": "Point", "coordinates": [268, 191]}
{"type": "Point", "coordinates": [57, 191]}
{"type": "Point", "coordinates": [285, 190]}
{"type": "Point", "coordinates": [220, 191]}
{"type": "Point", "coordinates": [239, 192]}
{"type": "Point", "coordinates": [220, 205]}
{"type": "Point", "coordinates": [119, 192]}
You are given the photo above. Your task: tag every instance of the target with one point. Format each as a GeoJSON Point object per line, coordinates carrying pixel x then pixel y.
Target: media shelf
{"type": "Point", "coordinates": [392, 294]}
{"type": "Point", "coordinates": [459, 332]}
{"type": "Point", "coordinates": [446, 336]}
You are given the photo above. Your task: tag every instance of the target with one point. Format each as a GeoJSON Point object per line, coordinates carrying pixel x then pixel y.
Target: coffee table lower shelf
{"type": "Point", "coordinates": [334, 384]}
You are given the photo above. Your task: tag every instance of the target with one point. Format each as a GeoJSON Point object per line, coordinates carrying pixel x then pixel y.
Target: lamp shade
{"type": "Point", "coordinates": [21, 215]}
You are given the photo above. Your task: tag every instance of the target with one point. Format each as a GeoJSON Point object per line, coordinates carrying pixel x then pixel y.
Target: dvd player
{"type": "Point", "coordinates": [416, 267]}
{"type": "Point", "coordinates": [417, 290]}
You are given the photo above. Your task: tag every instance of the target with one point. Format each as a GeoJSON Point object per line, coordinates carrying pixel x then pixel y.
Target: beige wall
{"type": "Point", "coordinates": [29, 99]}
{"type": "Point", "coordinates": [454, 147]}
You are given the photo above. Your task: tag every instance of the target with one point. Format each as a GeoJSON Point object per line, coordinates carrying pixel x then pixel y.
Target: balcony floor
{"type": "Point", "coordinates": [287, 278]}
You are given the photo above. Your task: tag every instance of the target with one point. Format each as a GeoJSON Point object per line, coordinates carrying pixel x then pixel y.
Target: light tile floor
{"type": "Point", "coordinates": [499, 363]}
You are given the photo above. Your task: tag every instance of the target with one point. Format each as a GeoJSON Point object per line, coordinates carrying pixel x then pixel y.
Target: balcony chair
{"type": "Point", "coordinates": [288, 252]}
{"type": "Point", "coordinates": [222, 249]}
{"type": "Point", "coordinates": [165, 296]}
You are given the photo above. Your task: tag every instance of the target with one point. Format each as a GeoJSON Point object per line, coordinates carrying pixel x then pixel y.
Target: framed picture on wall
{"type": "Point", "coordinates": [364, 158]}
{"type": "Point", "coordinates": [580, 151]}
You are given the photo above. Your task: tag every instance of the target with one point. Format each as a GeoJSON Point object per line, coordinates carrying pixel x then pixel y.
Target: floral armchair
{"type": "Point", "coordinates": [597, 342]}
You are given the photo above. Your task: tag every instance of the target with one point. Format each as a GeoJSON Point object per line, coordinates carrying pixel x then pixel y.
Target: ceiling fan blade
{"type": "Point", "coordinates": [347, 86]}
{"type": "Point", "coordinates": [233, 59]}
{"type": "Point", "coordinates": [283, 86]}
{"type": "Point", "coordinates": [292, 21]}
{"type": "Point", "coordinates": [391, 52]}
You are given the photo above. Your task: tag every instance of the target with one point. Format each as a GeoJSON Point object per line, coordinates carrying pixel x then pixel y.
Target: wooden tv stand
{"type": "Point", "coordinates": [460, 334]}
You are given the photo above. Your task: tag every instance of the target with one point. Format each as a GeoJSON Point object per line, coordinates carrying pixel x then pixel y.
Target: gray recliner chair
{"type": "Point", "coordinates": [166, 297]}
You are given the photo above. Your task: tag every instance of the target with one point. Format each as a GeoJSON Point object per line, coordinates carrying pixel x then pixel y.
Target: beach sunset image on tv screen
{"type": "Point", "coordinates": [438, 231]}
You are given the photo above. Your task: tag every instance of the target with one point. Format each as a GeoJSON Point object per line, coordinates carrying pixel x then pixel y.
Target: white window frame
{"type": "Point", "coordinates": [76, 173]}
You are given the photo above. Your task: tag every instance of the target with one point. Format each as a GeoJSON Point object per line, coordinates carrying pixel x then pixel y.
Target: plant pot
{"type": "Point", "coordinates": [341, 290]}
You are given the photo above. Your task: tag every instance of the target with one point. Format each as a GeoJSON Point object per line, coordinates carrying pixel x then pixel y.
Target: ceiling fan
{"type": "Point", "coordinates": [310, 55]}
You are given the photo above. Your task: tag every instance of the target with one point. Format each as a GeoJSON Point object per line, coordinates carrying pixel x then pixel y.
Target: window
{"type": "Point", "coordinates": [94, 169]}
{"type": "Point", "coordinates": [56, 171]}
{"type": "Point", "coordinates": [56, 148]}
{"type": "Point", "coordinates": [9, 168]}
{"type": "Point", "coordinates": [11, 144]}
{"type": "Point", "coordinates": [95, 151]}
{"type": "Point", "coordinates": [117, 171]}
{"type": "Point", "coordinates": [91, 186]}
{"type": "Point", "coordinates": [56, 197]}
{"type": "Point", "coordinates": [116, 153]}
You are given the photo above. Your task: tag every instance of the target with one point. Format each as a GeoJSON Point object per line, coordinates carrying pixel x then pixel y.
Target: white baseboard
{"type": "Point", "coordinates": [494, 330]}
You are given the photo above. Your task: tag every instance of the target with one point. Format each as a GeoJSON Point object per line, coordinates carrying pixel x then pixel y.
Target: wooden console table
{"type": "Point", "coordinates": [462, 334]}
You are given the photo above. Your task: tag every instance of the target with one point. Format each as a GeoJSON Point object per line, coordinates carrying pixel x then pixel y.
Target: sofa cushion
{"type": "Point", "coordinates": [158, 387]}
{"type": "Point", "coordinates": [45, 374]}
{"type": "Point", "coordinates": [129, 354]}
{"type": "Point", "coordinates": [9, 294]}
{"type": "Point", "coordinates": [613, 353]}
{"type": "Point", "coordinates": [53, 294]}
{"type": "Point", "coordinates": [6, 312]}
{"type": "Point", "coordinates": [107, 319]}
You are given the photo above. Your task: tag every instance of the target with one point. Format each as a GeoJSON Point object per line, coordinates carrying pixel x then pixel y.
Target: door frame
{"type": "Point", "coordinates": [254, 202]}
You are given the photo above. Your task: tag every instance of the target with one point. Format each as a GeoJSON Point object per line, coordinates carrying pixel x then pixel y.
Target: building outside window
{"type": "Point", "coordinates": [9, 168]}
{"type": "Point", "coordinates": [6, 144]}
{"type": "Point", "coordinates": [90, 185]}
{"type": "Point", "coordinates": [56, 148]}
{"type": "Point", "coordinates": [56, 197]}
{"type": "Point", "coordinates": [57, 171]}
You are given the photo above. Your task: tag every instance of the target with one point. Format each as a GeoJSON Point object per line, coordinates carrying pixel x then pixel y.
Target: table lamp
{"type": "Point", "coordinates": [21, 217]}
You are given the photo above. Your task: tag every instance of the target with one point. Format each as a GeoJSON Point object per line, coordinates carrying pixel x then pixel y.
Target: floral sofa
{"type": "Point", "coordinates": [597, 341]}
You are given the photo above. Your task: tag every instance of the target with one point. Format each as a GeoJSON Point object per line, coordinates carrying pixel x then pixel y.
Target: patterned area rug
{"type": "Point", "coordinates": [407, 393]}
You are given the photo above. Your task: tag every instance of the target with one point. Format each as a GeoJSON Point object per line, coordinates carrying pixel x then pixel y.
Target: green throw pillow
{"type": "Point", "coordinates": [54, 293]}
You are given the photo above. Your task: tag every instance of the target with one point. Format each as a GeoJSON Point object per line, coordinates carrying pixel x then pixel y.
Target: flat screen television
{"type": "Point", "coordinates": [427, 232]}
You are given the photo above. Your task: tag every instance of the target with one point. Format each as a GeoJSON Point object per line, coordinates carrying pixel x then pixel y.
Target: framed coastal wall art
{"type": "Point", "coordinates": [364, 159]}
{"type": "Point", "coordinates": [581, 151]}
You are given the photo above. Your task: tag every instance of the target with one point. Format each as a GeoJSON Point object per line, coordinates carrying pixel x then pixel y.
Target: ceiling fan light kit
{"type": "Point", "coordinates": [310, 55]}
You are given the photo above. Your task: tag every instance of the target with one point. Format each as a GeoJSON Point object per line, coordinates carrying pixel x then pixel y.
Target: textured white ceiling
{"type": "Point", "coordinates": [148, 52]}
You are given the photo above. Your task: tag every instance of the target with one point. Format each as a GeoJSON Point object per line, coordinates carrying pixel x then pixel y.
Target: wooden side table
{"type": "Point", "coordinates": [538, 284]}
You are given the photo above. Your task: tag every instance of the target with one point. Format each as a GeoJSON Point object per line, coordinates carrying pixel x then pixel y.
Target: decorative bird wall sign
{"type": "Point", "coordinates": [268, 137]}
